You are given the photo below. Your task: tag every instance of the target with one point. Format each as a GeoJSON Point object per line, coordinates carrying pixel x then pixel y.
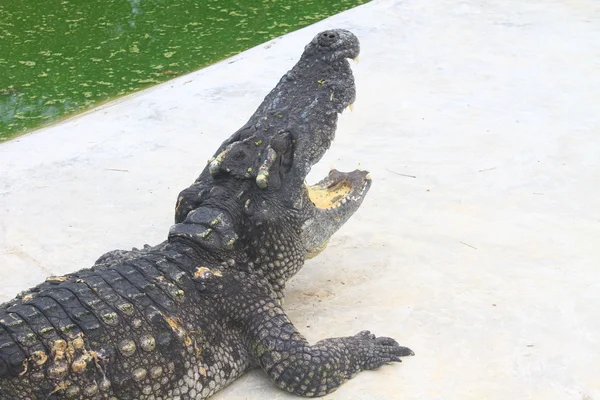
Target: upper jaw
{"type": "Point", "coordinates": [297, 120]}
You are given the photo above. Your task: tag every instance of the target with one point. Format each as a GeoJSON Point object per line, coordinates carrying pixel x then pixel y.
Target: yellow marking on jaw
{"type": "Point", "coordinates": [327, 197]}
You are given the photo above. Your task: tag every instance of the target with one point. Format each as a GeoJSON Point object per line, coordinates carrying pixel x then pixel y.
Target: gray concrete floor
{"type": "Point", "coordinates": [485, 262]}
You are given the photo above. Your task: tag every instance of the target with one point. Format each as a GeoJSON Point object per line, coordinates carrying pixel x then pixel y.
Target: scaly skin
{"type": "Point", "coordinates": [183, 319]}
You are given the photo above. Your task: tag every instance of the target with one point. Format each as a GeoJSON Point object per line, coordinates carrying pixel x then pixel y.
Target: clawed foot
{"type": "Point", "coordinates": [380, 350]}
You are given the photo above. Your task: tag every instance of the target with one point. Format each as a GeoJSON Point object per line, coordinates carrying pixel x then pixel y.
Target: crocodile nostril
{"type": "Point", "coordinates": [331, 36]}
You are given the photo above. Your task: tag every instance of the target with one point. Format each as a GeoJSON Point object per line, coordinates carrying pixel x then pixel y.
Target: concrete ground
{"type": "Point", "coordinates": [479, 242]}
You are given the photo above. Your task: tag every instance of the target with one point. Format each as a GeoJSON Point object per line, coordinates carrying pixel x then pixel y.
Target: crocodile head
{"type": "Point", "coordinates": [258, 175]}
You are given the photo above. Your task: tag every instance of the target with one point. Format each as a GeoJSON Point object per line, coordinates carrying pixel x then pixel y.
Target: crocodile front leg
{"type": "Point", "coordinates": [313, 370]}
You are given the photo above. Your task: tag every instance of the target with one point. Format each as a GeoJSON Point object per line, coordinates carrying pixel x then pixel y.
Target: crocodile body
{"type": "Point", "coordinates": [183, 319]}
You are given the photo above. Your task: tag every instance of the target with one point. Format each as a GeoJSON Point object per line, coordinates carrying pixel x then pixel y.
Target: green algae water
{"type": "Point", "coordinates": [60, 57]}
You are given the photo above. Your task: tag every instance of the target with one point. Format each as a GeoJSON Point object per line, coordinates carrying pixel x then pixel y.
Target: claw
{"type": "Point", "coordinates": [406, 352]}
{"type": "Point", "coordinates": [386, 341]}
{"type": "Point", "coordinates": [382, 350]}
{"type": "Point", "coordinates": [366, 335]}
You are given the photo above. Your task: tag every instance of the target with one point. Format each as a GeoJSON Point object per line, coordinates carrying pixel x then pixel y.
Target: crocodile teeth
{"type": "Point", "coordinates": [351, 107]}
{"type": "Point", "coordinates": [356, 59]}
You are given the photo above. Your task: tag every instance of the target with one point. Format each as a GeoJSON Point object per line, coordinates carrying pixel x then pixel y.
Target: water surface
{"type": "Point", "coordinates": [59, 57]}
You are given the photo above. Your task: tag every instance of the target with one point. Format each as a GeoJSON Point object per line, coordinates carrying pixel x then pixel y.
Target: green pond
{"type": "Point", "coordinates": [60, 57]}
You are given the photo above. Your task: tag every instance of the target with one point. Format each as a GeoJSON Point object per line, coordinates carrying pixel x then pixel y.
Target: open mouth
{"type": "Point", "coordinates": [335, 199]}
{"type": "Point", "coordinates": [339, 189]}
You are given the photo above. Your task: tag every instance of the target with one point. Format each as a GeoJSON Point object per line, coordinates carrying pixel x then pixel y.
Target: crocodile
{"type": "Point", "coordinates": [182, 319]}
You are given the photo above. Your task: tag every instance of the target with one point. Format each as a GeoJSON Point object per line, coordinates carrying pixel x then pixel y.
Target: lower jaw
{"type": "Point", "coordinates": [338, 188]}
{"type": "Point", "coordinates": [316, 251]}
{"type": "Point", "coordinates": [336, 198]}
